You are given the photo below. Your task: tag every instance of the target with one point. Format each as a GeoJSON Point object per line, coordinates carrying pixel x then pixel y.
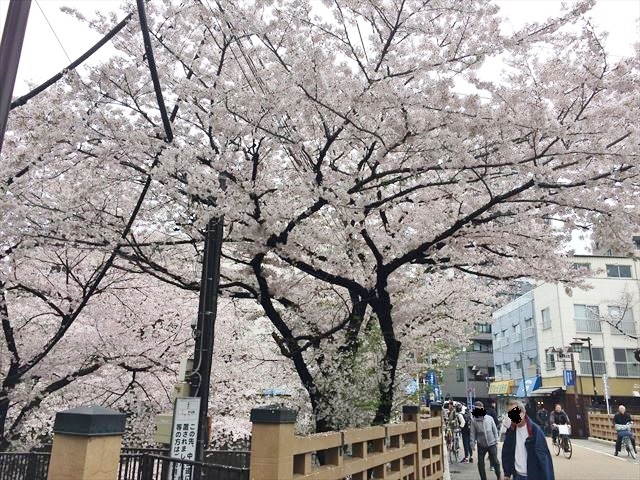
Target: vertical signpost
{"type": "Point", "coordinates": [184, 436]}
{"type": "Point", "coordinates": [605, 383]}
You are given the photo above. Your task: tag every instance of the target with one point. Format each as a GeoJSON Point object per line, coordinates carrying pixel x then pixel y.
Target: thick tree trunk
{"type": "Point", "coordinates": [382, 308]}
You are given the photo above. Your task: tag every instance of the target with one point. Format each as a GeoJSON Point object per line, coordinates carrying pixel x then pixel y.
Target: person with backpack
{"type": "Point", "coordinates": [465, 431]}
{"type": "Point", "coordinates": [485, 434]}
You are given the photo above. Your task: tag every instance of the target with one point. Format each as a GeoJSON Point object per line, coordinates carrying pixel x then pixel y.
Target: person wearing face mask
{"type": "Point", "coordinates": [525, 454]}
{"type": "Point", "coordinates": [484, 432]}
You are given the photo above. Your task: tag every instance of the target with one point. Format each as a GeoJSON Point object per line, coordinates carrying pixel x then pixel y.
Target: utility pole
{"type": "Point", "coordinates": [466, 377]}
{"type": "Point", "coordinates": [10, 50]}
{"type": "Point", "coordinates": [524, 383]}
{"type": "Point", "coordinates": [205, 328]}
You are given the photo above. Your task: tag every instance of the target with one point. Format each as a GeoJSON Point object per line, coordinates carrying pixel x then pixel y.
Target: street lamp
{"type": "Point", "coordinates": [577, 345]}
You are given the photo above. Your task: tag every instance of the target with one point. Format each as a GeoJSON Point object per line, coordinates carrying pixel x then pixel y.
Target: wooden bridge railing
{"type": "Point", "coordinates": [601, 426]}
{"type": "Point", "coordinates": [411, 450]}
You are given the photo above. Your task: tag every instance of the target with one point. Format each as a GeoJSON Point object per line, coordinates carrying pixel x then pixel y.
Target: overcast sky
{"type": "Point", "coordinates": [43, 56]}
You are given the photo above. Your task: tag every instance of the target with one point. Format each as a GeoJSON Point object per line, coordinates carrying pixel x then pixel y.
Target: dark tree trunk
{"type": "Point", "coordinates": [382, 308]}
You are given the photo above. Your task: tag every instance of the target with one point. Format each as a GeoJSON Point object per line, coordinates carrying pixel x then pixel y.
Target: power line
{"type": "Point", "coordinates": [52, 30]}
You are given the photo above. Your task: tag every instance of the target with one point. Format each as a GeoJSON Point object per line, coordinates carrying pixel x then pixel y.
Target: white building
{"type": "Point", "coordinates": [530, 333]}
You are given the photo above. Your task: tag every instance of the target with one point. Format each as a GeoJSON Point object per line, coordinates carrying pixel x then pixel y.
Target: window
{"type": "Point", "coordinates": [529, 329]}
{"type": "Point", "coordinates": [507, 368]}
{"type": "Point", "coordinates": [533, 361]}
{"type": "Point", "coordinates": [483, 328]}
{"type": "Point", "coordinates": [587, 318]}
{"type": "Point", "coordinates": [498, 369]}
{"type": "Point", "coordinates": [621, 319]}
{"type": "Point", "coordinates": [546, 319]}
{"type": "Point", "coordinates": [479, 346]}
{"type": "Point", "coordinates": [459, 374]}
{"type": "Point", "coordinates": [636, 243]}
{"type": "Point", "coordinates": [619, 271]}
{"type": "Point", "coordinates": [518, 364]}
{"type": "Point", "coordinates": [496, 339]}
{"type": "Point", "coordinates": [516, 332]}
{"type": "Point", "coordinates": [599, 366]}
{"type": "Point", "coordinates": [626, 365]}
{"type": "Point", "coordinates": [551, 361]}
{"type": "Point", "coordinates": [581, 266]}
{"type": "Point", "coordinates": [505, 337]}
{"type": "Point", "coordinates": [492, 371]}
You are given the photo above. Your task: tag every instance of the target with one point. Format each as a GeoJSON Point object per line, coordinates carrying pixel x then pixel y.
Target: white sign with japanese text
{"type": "Point", "coordinates": [184, 436]}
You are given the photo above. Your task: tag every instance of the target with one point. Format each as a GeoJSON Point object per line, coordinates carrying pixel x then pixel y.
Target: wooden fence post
{"type": "Point", "coordinates": [272, 437]}
{"type": "Point", "coordinates": [411, 413]}
{"type": "Point", "coordinates": [86, 444]}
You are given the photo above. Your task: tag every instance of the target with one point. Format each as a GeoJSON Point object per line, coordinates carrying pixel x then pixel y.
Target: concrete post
{"type": "Point", "coordinates": [86, 444]}
{"type": "Point", "coordinates": [272, 438]}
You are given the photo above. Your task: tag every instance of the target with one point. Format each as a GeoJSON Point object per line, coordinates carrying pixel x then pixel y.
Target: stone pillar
{"type": "Point", "coordinates": [86, 444]}
{"type": "Point", "coordinates": [436, 409]}
{"type": "Point", "coordinates": [272, 438]}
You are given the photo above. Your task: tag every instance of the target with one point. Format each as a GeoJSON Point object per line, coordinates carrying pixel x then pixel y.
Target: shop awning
{"type": "Point", "coordinates": [502, 387]}
{"type": "Point", "coordinates": [531, 384]}
{"type": "Point", "coordinates": [543, 391]}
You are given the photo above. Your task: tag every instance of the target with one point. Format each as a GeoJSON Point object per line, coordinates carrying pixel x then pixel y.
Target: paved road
{"type": "Point", "coordinates": [590, 461]}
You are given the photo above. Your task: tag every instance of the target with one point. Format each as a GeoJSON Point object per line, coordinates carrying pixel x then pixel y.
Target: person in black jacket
{"type": "Point", "coordinates": [491, 411]}
{"type": "Point", "coordinates": [525, 455]}
{"type": "Point", "coordinates": [543, 417]}
{"type": "Point", "coordinates": [557, 417]}
{"type": "Point", "coordinates": [622, 418]}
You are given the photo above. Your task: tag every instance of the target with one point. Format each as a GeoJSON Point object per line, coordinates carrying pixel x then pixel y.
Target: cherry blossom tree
{"type": "Point", "coordinates": [370, 207]}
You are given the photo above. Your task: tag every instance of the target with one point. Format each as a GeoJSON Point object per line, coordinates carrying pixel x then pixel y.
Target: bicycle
{"type": "Point", "coordinates": [453, 444]}
{"type": "Point", "coordinates": [563, 441]}
{"type": "Point", "coordinates": [625, 444]}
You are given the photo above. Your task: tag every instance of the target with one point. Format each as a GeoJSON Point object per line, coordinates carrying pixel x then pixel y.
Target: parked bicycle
{"type": "Point", "coordinates": [563, 442]}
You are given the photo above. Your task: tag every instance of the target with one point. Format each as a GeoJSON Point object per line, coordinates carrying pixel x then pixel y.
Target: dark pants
{"type": "Point", "coordinates": [554, 434]}
{"type": "Point", "coordinates": [493, 460]}
{"type": "Point", "coordinates": [619, 440]}
{"type": "Point", "coordinates": [466, 443]}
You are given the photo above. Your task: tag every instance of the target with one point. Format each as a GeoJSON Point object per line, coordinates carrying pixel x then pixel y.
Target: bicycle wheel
{"type": "Point", "coordinates": [630, 451]}
{"type": "Point", "coordinates": [455, 450]}
{"type": "Point", "coordinates": [556, 446]}
{"type": "Point", "coordinates": [568, 450]}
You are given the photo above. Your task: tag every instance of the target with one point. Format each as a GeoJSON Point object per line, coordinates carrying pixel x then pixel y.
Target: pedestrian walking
{"type": "Point", "coordinates": [465, 431]}
{"type": "Point", "coordinates": [525, 455]}
{"type": "Point", "coordinates": [543, 417]}
{"type": "Point", "coordinates": [485, 434]}
{"type": "Point", "coordinates": [493, 413]}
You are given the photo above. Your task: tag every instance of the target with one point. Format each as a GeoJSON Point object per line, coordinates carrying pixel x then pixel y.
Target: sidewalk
{"type": "Point", "coordinates": [469, 471]}
{"type": "Point", "coordinates": [591, 460]}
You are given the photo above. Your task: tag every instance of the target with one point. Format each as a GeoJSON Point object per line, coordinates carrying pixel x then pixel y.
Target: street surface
{"type": "Point", "coordinates": [590, 461]}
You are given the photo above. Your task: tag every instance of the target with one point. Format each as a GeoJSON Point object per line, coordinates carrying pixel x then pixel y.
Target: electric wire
{"type": "Point", "coordinates": [72, 66]}
{"type": "Point", "coordinates": [53, 31]}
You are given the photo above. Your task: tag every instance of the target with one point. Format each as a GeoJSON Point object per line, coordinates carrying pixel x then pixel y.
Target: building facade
{"type": "Point", "coordinates": [477, 361]}
{"type": "Point", "coordinates": [532, 339]}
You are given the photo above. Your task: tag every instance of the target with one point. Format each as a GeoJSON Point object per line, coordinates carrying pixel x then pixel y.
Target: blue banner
{"type": "Point", "coordinates": [569, 377]}
{"type": "Point", "coordinates": [431, 378]}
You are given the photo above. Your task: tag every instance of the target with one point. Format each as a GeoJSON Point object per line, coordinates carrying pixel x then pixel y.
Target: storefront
{"type": "Point", "coordinates": [501, 390]}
